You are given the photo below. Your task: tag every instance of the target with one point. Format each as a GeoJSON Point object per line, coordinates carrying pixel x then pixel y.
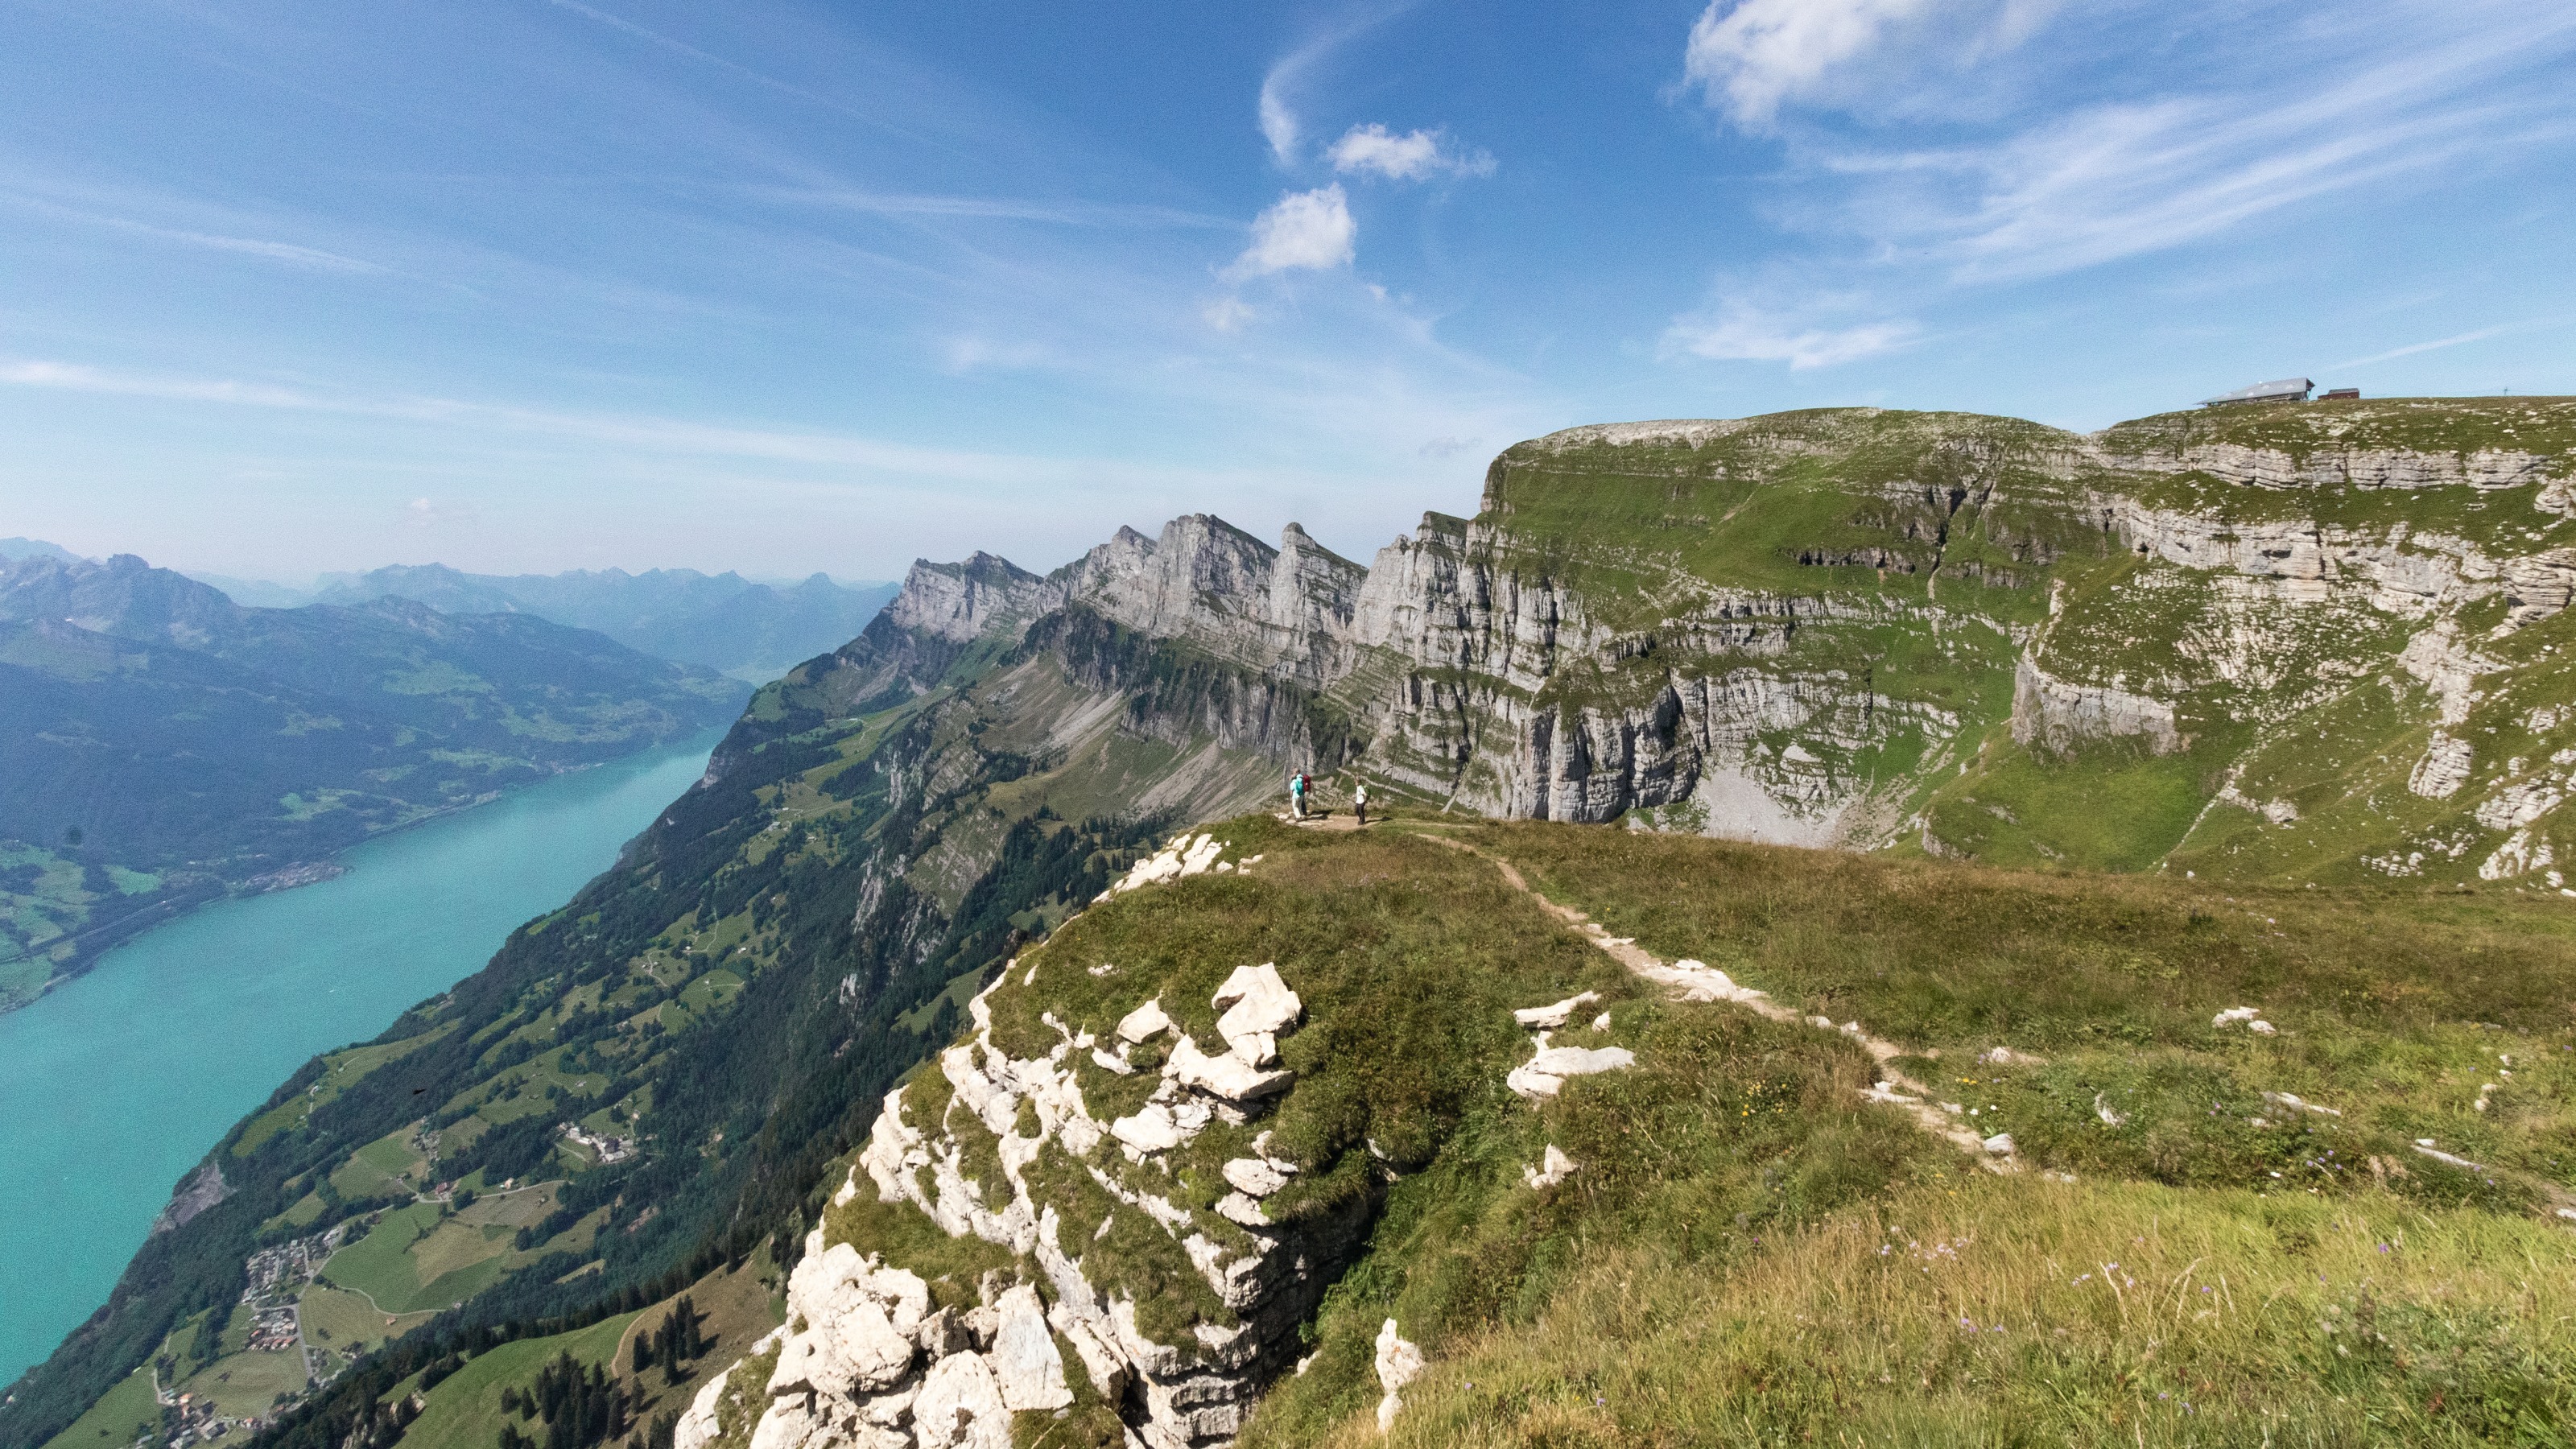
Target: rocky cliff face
{"type": "Point", "coordinates": [2288, 644]}
{"type": "Point", "coordinates": [1859, 628]}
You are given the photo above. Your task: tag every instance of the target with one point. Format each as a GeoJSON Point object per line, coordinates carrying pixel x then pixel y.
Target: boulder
{"type": "Point", "coordinates": [1228, 1076]}
{"type": "Point", "coordinates": [1256, 1176]}
{"type": "Point", "coordinates": [943, 1333]}
{"type": "Point", "coordinates": [1144, 1023]}
{"type": "Point", "coordinates": [1258, 1006]}
{"type": "Point", "coordinates": [1024, 1358]}
{"type": "Point", "coordinates": [1109, 1373]}
{"type": "Point", "coordinates": [1545, 1075]}
{"type": "Point", "coordinates": [1242, 1211]}
{"type": "Point", "coordinates": [1150, 1130]}
{"type": "Point", "coordinates": [871, 1355]}
{"type": "Point", "coordinates": [788, 1424]}
{"type": "Point", "coordinates": [960, 1406]}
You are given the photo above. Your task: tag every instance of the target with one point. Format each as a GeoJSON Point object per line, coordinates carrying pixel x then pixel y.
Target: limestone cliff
{"type": "Point", "coordinates": [1855, 627]}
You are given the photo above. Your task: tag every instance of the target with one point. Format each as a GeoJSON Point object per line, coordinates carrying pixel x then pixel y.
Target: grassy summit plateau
{"type": "Point", "coordinates": [2203, 1234]}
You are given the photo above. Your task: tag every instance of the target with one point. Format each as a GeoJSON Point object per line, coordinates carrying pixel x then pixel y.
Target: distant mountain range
{"type": "Point", "coordinates": [164, 744]}
{"type": "Point", "coordinates": [752, 631]}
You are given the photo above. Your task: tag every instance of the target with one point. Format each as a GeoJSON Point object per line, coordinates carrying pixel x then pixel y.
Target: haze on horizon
{"type": "Point", "coordinates": [531, 285]}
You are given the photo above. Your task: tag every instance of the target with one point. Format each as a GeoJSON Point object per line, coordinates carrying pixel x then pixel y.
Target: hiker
{"type": "Point", "coordinates": [1359, 802]}
{"type": "Point", "coordinates": [1297, 793]}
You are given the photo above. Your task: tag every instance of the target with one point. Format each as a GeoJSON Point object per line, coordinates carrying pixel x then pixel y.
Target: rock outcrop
{"type": "Point", "coordinates": [867, 1359]}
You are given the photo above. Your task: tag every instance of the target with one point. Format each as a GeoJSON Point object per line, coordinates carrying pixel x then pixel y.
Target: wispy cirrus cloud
{"type": "Point", "coordinates": [1065, 212]}
{"type": "Point", "coordinates": [1740, 331]}
{"type": "Point", "coordinates": [2056, 155]}
{"type": "Point", "coordinates": [1284, 85]}
{"type": "Point", "coordinates": [290, 253]}
{"type": "Point", "coordinates": [664, 435]}
{"type": "Point", "coordinates": [2411, 349]}
{"type": "Point", "coordinates": [2113, 181]}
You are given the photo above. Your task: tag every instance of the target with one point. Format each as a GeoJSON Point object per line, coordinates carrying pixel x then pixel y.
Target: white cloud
{"type": "Point", "coordinates": [1895, 59]}
{"type": "Point", "coordinates": [1740, 332]}
{"type": "Point", "coordinates": [2113, 181]}
{"type": "Point", "coordinates": [1278, 123]}
{"type": "Point", "coordinates": [1752, 56]}
{"type": "Point", "coordinates": [1225, 314]}
{"type": "Point", "coordinates": [1413, 156]}
{"type": "Point", "coordinates": [1305, 230]}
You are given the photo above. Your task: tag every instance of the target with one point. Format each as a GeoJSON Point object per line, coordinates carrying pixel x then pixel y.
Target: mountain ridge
{"type": "Point", "coordinates": [168, 746]}
{"type": "Point", "coordinates": [1919, 635]}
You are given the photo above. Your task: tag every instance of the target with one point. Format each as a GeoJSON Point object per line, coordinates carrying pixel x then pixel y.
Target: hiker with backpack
{"type": "Point", "coordinates": [1297, 794]}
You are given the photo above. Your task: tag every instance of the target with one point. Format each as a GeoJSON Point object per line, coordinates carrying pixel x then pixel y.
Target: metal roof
{"type": "Point", "coordinates": [2286, 387]}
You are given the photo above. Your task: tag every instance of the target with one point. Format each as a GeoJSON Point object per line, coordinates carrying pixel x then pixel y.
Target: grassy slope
{"type": "Point", "coordinates": [2174, 1292]}
{"type": "Point", "coordinates": [1751, 1254]}
{"type": "Point", "coordinates": [464, 1411]}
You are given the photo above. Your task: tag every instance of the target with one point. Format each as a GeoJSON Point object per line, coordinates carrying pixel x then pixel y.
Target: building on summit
{"type": "Point", "coordinates": [2287, 389]}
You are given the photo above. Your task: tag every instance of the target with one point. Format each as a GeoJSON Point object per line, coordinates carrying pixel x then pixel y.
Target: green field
{"type": "Point", "coordinates": [464, 1411]}
{"type": "Point", "coordinates": [123, 1413]}
{"type": "Point", "coordinates": [247, 1384]}
{"type": "Point", "coordinates": [421, 1258]}
{"type": "Point", "coordinates": [389, 1165]}
{"type": "Point", "coordinates": [346, 1323]}
{"type": "Point", "coordinates": [340, 1069]}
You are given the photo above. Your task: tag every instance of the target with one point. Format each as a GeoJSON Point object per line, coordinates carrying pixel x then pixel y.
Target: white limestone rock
{"type": "Point", "coordinates": [1399, 1362]}
{"type": "Point", "coordinates": [1150, 1130]}
{"type": "Point", "coordinates": [1554, 1167]}
{"type": "Point", "coordinates": [1258, 1008]}
{"type": "Point", "coordinates": [1024, 1358]}
{"type": "Point", "coordinates": [1144, 1023]}
{"type": "Point", "coordinates": [1552, 1017]}
{"type": "Point", "coordinates": [1228, 1076]}
{"type": "Point", "coordinates": [789, 1424]}
{"type": "Point", "coordinates": [1545, 1075]}
{"type": "Point", "coordinates": [1256, 1176]}
{"type": "Point", "coordinates": [1092, 1345]}
{"type": "Point", "coordinates": [960, 1406]}
{"type": "Point", "coordinates": [697, 1427]}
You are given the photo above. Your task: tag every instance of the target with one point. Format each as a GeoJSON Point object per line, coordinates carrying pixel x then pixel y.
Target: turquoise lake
{"type": "Point", "coordinates": [115, 1085]}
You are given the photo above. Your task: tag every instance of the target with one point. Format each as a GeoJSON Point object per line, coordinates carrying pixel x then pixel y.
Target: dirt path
{"type": "Point", "coordinates": [1693, 981]}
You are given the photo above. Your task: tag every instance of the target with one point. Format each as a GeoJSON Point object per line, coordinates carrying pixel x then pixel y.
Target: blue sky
{"type": "Point", "coordinates": [538, 284]}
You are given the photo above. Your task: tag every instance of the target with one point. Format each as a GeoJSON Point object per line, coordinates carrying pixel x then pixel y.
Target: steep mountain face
{"type": "Point", "coordinates": [164, 745]}
{"type": "Point", "coordinates": [752, 631]}
{"type": "Point", "coordinates": [1961, 633]}
{"type": "Point", "coordinates": [2273, 644]}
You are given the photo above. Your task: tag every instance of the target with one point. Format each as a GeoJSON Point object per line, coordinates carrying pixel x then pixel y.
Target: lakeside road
{"type": "Point", "coordinates": [100, 1116]}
